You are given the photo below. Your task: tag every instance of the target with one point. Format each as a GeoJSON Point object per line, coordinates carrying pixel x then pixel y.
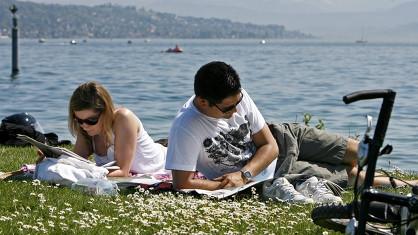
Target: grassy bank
{"type": "Point", "coordinates": [33, 207]}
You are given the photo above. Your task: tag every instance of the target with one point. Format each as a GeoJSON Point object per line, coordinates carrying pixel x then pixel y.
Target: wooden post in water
{"type": "Point", "coordinates": [15, 67]}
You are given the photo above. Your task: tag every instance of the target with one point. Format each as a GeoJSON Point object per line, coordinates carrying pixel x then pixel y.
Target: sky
{"type": "Point", "coordinates": [379, 20]}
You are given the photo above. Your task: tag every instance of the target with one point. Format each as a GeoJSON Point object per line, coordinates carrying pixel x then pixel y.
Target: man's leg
{"type": "Point", "coordinates": [350, 159]}
{"type": "Point", "coordinates": [325, 147]}
{"type": "Point", "coordinates": [324, 151]}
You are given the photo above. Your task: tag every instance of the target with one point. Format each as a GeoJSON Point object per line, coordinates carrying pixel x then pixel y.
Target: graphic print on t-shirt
{"type": "Point", "coordinates": [232, 148]}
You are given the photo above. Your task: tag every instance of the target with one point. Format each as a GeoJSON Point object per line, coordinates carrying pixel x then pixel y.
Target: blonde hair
{"type": "Point", "coordinates": [92, 95]}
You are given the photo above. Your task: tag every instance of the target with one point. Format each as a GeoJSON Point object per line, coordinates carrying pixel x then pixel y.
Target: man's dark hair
{"type": "Point", "coordinates": [216, 81]}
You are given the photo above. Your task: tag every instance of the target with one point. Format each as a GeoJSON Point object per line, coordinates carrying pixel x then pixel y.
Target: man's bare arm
{"type": "Point", "coordinates": [186, 180]}
{"type": "Point", "coordinates": [267, 151]}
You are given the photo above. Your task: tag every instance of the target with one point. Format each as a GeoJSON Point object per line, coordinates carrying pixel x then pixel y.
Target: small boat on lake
{"type": "Point", "coordinates": [361, 41]}
{"type": "Point", "coordinates": [176, 49]}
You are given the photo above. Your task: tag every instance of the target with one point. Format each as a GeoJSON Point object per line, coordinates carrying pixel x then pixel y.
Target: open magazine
{"type": "Point", "coordinates": [221, 193]}
{"type": "Point", "coordinates": [164, 182]}
{"type": "Point", "coordinates": [156, 183]}
{"type": "Point", "coordinates": [266, 174]}
{"type": "Point", "coordinates": [142, 180]}
{"type": "Point", "coordinates": [51, 151]}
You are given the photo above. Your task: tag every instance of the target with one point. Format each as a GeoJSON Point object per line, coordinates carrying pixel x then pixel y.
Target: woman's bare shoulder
{"type": "Point", "coordinates": [124, 120]}
{"type": "Point", "coordinates": [124, 112]}
{"type": "Point", "coordinates": [124, 115]}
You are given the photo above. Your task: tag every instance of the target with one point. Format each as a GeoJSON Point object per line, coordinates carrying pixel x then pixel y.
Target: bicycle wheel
{"type": "Point", "coordinates": [336, 217]}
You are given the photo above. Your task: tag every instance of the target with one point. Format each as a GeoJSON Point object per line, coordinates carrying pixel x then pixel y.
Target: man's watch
{"type": "Point", "coordinates": [246, 174]}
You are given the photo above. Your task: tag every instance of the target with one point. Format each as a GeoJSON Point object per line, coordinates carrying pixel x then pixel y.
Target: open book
{"type": "Point", "coordinates": [51, 151]}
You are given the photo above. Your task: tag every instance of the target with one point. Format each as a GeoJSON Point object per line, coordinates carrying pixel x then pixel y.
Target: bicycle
{"type": "Point", "coordinates": [377, 212]}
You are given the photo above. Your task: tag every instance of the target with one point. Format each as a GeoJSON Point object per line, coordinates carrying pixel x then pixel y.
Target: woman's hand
{"type": "Point", "coordinates": [41, 156]}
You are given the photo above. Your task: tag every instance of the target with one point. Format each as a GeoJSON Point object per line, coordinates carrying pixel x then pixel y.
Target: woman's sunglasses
{"type": "Point", "coordinates": [89, 121]}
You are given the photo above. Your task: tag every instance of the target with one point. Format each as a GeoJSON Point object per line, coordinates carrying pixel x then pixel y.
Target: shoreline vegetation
{"type": "Point", "coordinates": [29, 206]}
{"type": "Point", "coordinates": [45, 21]}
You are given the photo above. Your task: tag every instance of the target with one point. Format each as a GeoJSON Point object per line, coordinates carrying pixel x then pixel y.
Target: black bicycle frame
{"type": "Point", "coordinates": [388, 96]}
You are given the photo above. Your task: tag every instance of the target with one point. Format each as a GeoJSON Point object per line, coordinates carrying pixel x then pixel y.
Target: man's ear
{"type": "Point", "coordinates": [201, 102]}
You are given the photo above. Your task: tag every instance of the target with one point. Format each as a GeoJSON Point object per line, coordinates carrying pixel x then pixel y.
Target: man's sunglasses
{"type": "Point", "coordinates": [89, 121]}
{"type": "Point", "coordinates": [229, 108]}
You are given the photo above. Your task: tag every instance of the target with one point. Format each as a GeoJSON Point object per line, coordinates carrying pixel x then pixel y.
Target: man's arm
{"type": "Point", "coordinates": [267, 151]}
{"type": "Point", "coordinates": [186, 180]}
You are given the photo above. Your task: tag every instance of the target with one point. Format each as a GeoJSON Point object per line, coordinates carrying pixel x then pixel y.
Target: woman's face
{"type": "Point", "coordinates": [89, 120]}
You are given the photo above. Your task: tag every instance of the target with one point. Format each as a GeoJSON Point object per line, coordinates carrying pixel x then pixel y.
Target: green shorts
{"type": "Point", "coordinates": [319, 146]}
{"type": "Point", "coordinates": [309, 151]}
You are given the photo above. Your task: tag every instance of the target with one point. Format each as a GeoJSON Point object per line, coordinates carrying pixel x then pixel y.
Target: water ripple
{"type": "Point", "coordinates": [285, 79]}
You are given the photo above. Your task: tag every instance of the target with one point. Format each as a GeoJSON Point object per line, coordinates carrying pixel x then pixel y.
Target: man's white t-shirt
{"type": "Point", "coordinates": [214, 146]}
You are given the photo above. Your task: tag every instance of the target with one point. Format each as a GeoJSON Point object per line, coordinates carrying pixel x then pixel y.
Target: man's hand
{"type": "Point", "coordinates": [233, 179]}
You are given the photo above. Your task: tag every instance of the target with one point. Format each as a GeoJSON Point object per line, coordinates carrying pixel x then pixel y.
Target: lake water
{"type": "Point", "coordinates": [285, 79]}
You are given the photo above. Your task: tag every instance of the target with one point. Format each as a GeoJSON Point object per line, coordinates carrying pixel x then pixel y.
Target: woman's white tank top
{"type": "Point", "coordinates": [149, 156]}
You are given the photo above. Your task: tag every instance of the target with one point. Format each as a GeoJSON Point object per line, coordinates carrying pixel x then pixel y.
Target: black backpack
{"type": "Point", "coordinates": [25, 124]}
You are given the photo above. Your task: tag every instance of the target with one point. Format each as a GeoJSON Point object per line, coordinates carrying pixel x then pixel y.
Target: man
{"type": "Point", "coordinates": [221, 133]}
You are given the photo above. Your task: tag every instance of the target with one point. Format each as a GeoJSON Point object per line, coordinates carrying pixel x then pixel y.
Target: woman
{"type": "Point", "coordinates": [112, 134]}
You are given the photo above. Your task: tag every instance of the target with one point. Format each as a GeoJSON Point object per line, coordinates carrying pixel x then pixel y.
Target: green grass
{"type": "Point", "coordinates": [31, 207]}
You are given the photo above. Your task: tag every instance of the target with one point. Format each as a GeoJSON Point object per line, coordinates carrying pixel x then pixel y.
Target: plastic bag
{"type": "Point", "coordinates": [100, 187]}
{"type": "Point", "coordinates": [66, 170]}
